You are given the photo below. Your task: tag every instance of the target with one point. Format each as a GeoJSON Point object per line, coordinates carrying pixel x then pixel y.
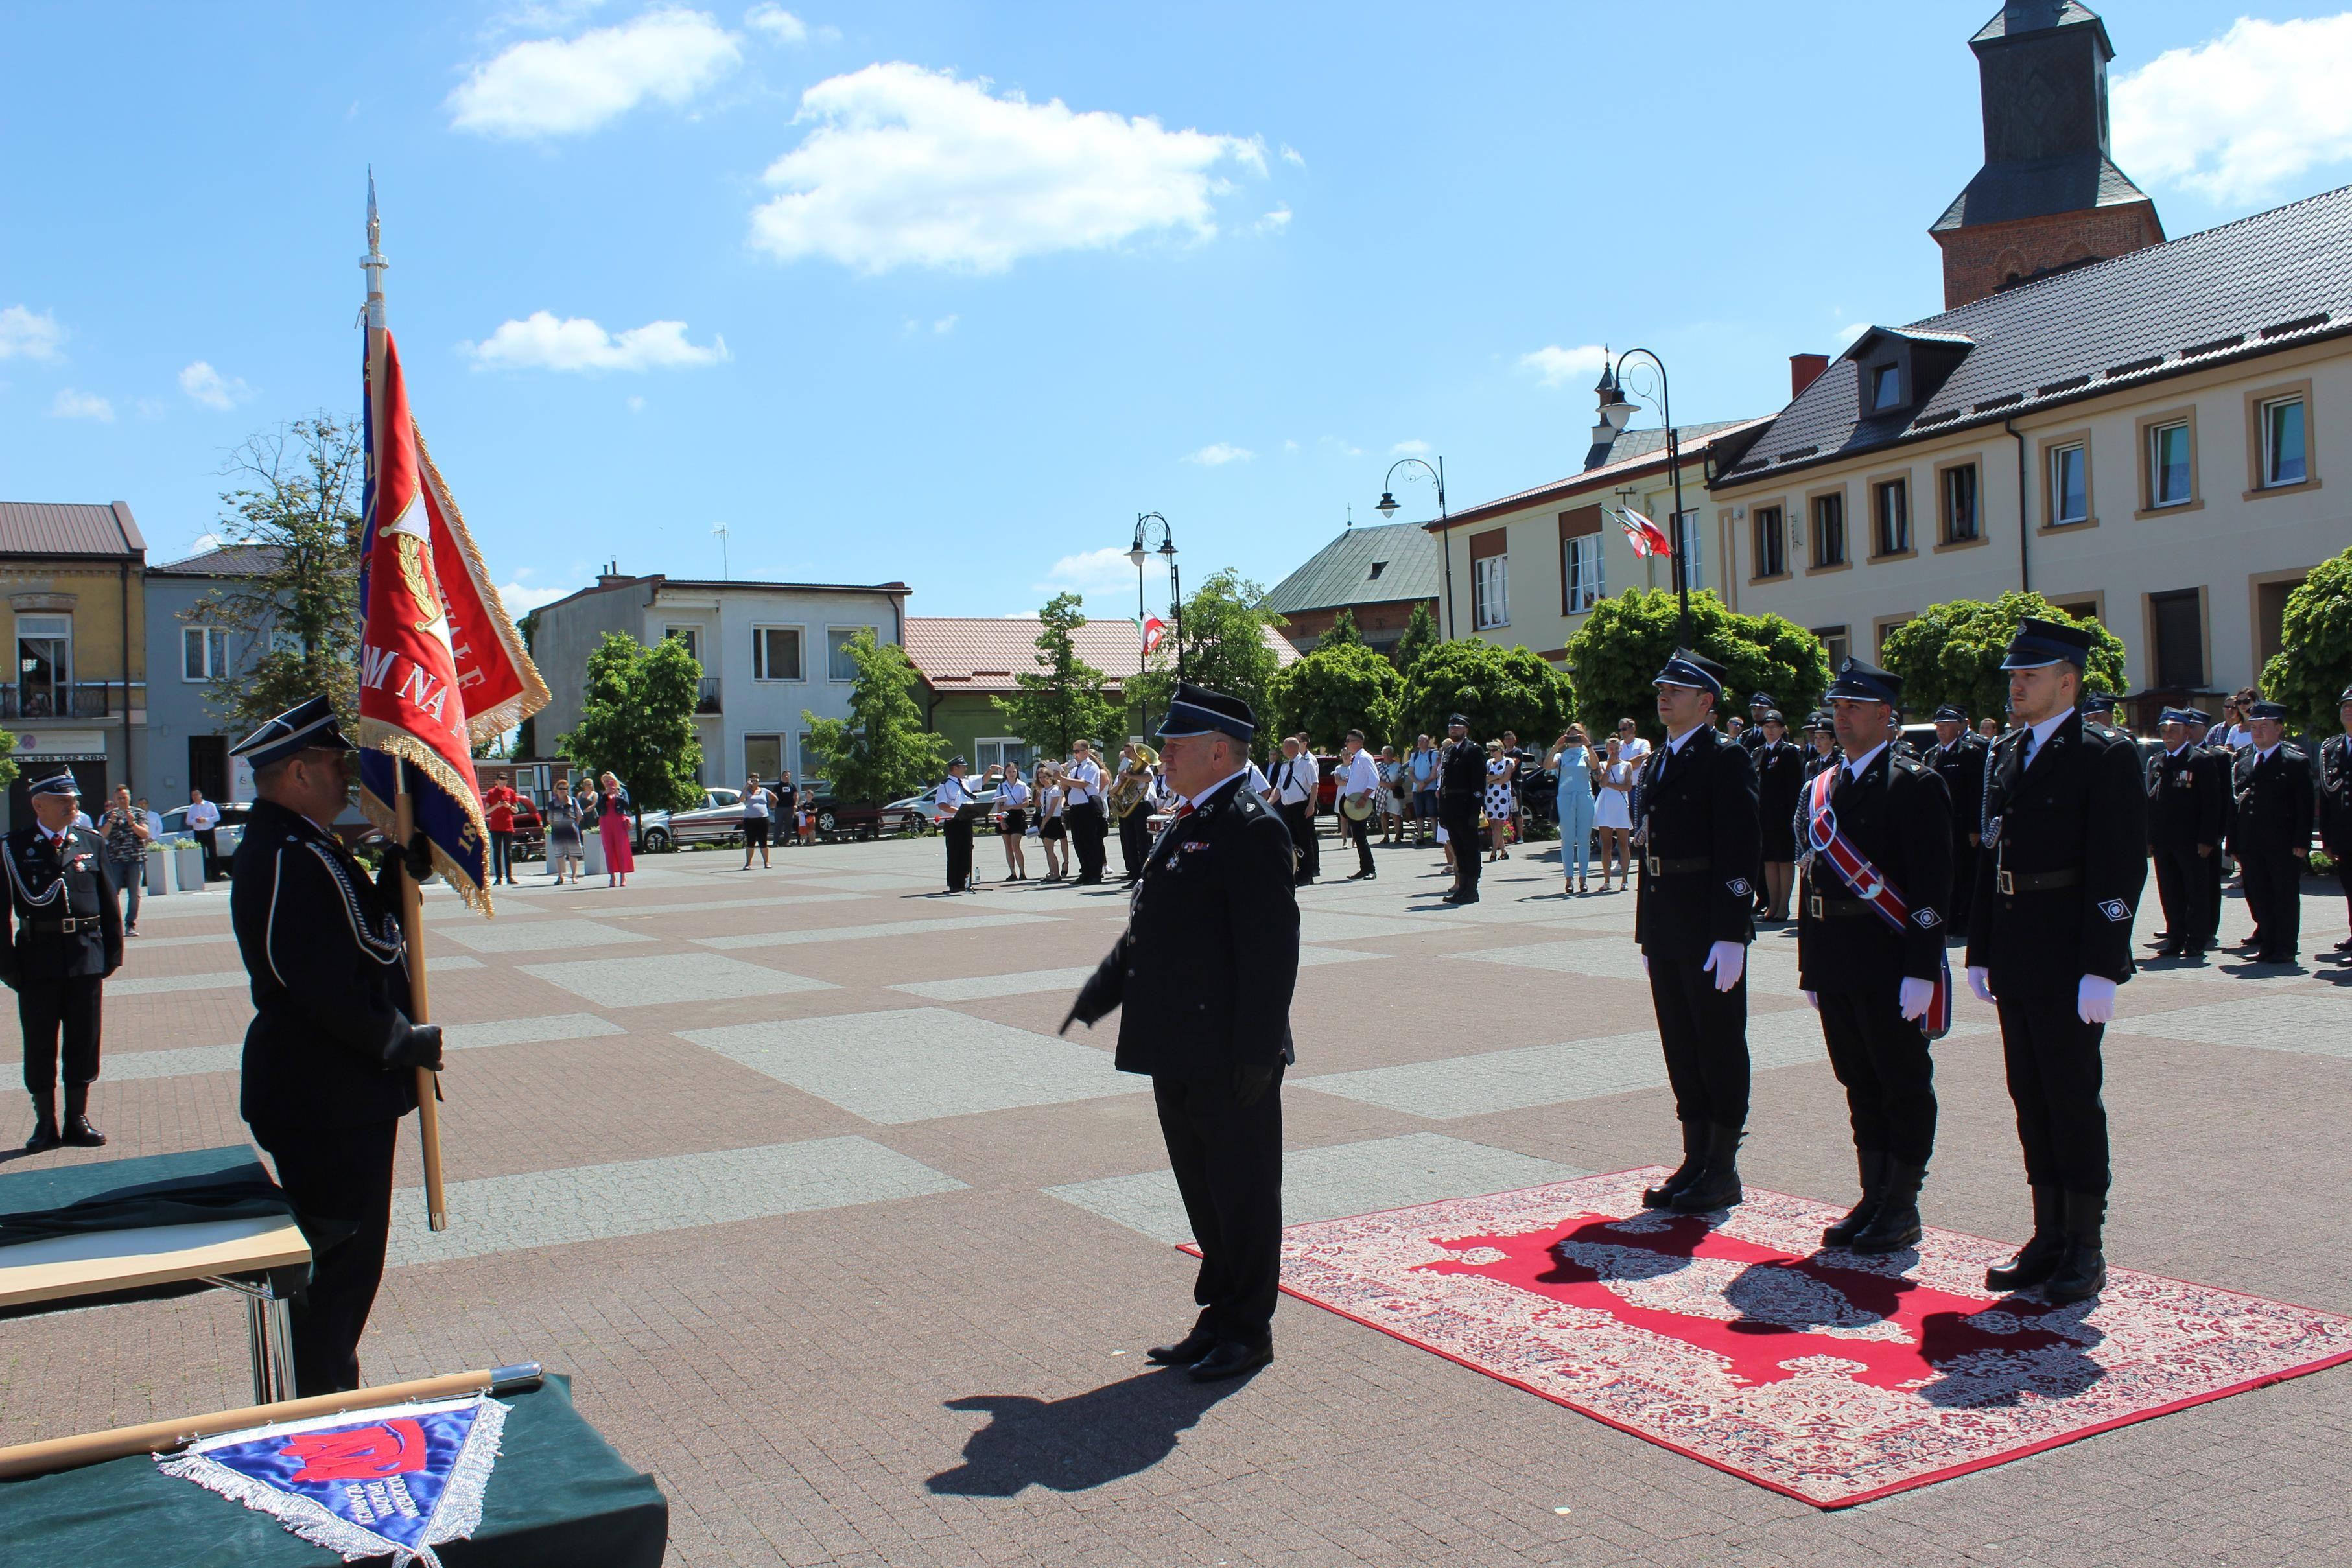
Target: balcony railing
{"type": "Point", "coordinates": [706, 695]}
{"type": "Point", "coordinates": [83, 699]}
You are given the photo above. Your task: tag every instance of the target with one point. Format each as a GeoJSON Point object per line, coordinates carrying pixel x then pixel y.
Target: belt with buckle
{"type": "Point", "coordinates": [2010, 882]}
{"type": "Point", "coordinates": [1822, 908]}
{"type": "Point", "coordinates": [1657, 866]}
{"type": "Point", "coordinates": [64, 927]}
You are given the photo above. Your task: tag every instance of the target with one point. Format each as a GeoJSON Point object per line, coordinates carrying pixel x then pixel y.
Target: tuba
{"type": "Point", "coordinates": [1133, 783]}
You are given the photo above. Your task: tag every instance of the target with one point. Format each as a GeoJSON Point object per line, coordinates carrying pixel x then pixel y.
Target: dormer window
{"type": "Point", "coordinates": [1378, 566]}
{"type": "Point", "coordinates": [1885, 387]}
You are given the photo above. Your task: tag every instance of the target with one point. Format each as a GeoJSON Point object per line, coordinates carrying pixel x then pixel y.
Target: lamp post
{"type": "Point", "coordinates": [1137, 552]}
{"type": "Point", "coordinates": [1616, 413]}
{"type": "Point", "coordinates": [1387, 507]}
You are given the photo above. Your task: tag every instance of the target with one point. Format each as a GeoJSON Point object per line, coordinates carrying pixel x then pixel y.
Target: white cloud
{"type": "Point", "coordinates": [636, 404]}
{"type": "Point", "coordinates": [909, 167]}
{"type": "Point", "coordinates": [1556, 365]}
{"type": "Point", "coordinates": [1849, 332]}
{"type": "Point", "coordinates": [1274, 222]}
{"type": "Point", "coordinates": [1292, 155]}
{"type": "Point", "coordinates": [28, 334]}
{"type": "Point", "coordinates": [1409, 449]}
{"type": "Point", "coordinates": [945, 324]}
{"type": "Point", "coordinates": [1344, 448]}
{"type": "Point", "coordinates": [1106, 571]}
{"type": "Point", "coordinates": [576, 343]}
{"type": "Point", "coordinates": [1217, 453]}
{"type": "Point", "coordinates": [71, 404]}
{"type": "Point", "coordinates": [777, 23]}
{"type": "Point", "coordinates": [209, 387]}
{"type": "Point", "coordinates": [561, 87]}
{"type": "Point", "coordinates": [1290, 446]}
{"type": "Point", "coordinates": [520, 599]}
{"type": "Point", "coordinates": [2242, 115]}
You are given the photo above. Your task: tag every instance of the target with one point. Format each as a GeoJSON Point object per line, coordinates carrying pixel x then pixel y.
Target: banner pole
{"type": "Point", "coordinates": [412, 925]}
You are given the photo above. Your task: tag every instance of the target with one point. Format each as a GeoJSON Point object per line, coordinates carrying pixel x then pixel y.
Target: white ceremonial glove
{"type": "Point", "coordinates": [1980, 982]}
{"type": "Point", "coordinates": [1814, 1000]}
{"type": "Point", "coordinates": [2095, 999]}
{"type": "Point", "coordinates": [1916, 995]}
{"type": "Point", "coordinates": [1727, 961]}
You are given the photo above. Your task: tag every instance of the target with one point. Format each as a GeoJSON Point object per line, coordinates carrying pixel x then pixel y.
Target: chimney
{"type": "Point", "coordinates": [612, 574]}
{"type": "Point", "coordinates": [1804, 370]}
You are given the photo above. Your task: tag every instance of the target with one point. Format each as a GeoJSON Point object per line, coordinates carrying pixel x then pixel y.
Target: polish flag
{"type": "Point", "coordinates": [1154, 629]}
{"type": "Point", "coordinates": [1644, 536]}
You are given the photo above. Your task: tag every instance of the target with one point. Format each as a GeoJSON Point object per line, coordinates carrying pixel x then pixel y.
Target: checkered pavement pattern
{"type": "Point", "coordinates": [790, 1169]}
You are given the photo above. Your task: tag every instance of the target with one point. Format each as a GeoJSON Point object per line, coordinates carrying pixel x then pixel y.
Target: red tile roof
{"type": "Point", "coordinates": [54, 529]}
{"type": "Point", "coordinates": [982, 654]}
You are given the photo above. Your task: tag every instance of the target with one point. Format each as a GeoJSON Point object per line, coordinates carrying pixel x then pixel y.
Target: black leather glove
{"type": "Point", "coordinates": [417, 858]}
{"type": "Point", "coordinates": [1253, 1079]}
{"type": "Point", "coordinates": [421, 1047]}
{"type": "Point", "coordinates": [1090, 1005]}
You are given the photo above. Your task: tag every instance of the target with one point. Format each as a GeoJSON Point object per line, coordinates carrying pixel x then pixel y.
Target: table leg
{"type": "Point", "coordinates": [269, 1333]}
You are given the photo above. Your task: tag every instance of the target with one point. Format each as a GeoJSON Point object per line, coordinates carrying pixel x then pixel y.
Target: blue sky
{"type": "Point", "coordinates": [948, 293]}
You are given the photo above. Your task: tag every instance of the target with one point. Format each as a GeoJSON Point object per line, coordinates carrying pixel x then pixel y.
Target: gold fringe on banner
{"type": "Point", "coordinates": [488, 725]}
{"type": "Point", "coordinates": [378, 736]}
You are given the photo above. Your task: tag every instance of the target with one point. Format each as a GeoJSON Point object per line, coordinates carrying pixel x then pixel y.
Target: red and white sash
{"type": "Point", "coordinates": [1827, 843]}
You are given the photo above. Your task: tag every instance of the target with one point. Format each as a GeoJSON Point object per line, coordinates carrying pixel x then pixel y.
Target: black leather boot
{"type": "Point", "coordinates": [79, 1131]}
{"type": "Point", "coordinates": [1896, 1224]}
{"type": "Point", "coordinates": [1717, 1186]}
{"type": "Point", "coordinates": [1693, 1156]}
{"type": "Point", "coordinates": [45, 1123]}
{"type": "Point", "coordinates": [1873, 1177]}
{"type": "Point", "coordinates": [2082, 1272]}
{"type": "Point", "coordinates": [2038, 1258]}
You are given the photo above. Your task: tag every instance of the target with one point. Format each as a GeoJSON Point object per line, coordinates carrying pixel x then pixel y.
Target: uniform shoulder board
{"type": "Point", "coordinates": [2292, 752]}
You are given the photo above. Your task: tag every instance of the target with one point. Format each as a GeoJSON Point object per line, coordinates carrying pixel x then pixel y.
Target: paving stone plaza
{"type": "Point", "coordinates": [789, 1169]}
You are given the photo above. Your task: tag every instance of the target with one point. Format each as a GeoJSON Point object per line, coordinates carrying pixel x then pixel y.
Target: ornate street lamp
{"type": "Point", "coordinates": [1138, 552]}
{"type": "Point", "coordinates": [1387, 507]}
{"type": "Point", "coordinates": [1616, 413]}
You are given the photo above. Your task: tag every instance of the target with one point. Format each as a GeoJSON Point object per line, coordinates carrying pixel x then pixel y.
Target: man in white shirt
{"type": "Point", "coordinates": [1360, 784]}
{"type": "Point", "coordinates": [1296, 779]}
{"type": "Point", "coordinates": [1082, 783]}
{"type": "Point", "coordinates": [958, 807]}
{"type": "Point", "coordinates": [204, 818]}
{"type": "Point", "coordinates": [1631, 746]}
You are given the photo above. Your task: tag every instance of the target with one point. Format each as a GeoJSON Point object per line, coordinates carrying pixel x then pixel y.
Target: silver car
{"type": "Point", "coordinates": [717, 820]}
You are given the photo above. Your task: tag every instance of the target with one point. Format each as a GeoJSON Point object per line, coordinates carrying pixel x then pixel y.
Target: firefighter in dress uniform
{"type": "Point", "coordinates": [1959, 759]}
{"type": "Point", "coordinates": [2066, 840]}
{"type": "Point", "coordinates": [2201, 736]}
{"type": "Point", "coordinates": [2187, 793]}
{"type": "Point", "coordinates": [60, 938]}
{"type": "Point", "coordinates": [1203, 974]}
{"type": "Point", "coordinates": [2336, 803]}
{"type": "Point", "coordinates": [1461, 780]}
{"type": "Point", "coordinates": [1697, 840]}
{"type": "Point", "coordinates": [1870, 951]}
{"type": "Point", "coordinates": [330, 1057]}
{"type": "Point", "coordinates": [2271, 838]}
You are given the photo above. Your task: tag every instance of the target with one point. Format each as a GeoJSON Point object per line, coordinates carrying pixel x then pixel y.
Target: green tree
{"type": "Point", "coordinates": [1336, 689]}
{"type": "Point", "coordinates": [7, 761]}
{"type": "Point", "coordinates": [297, 493]}
{"type": "Point", "coordinates": [2314, 664]}
{"type": "Point", "coordinates": [636, 722]}
{"type": "Point", "coordinates": [1343, 633]}
{"type": "Point", "coordinates": [1420, 637]}
{"type": "Point", "coordinates": [1494, 688]}
{"type": "Point", "coordinates": [1222, 631]}
{"type": "Point", "coordinates": [1062, 701]}
{"type": "Point", "coordinates": [1617, 652]}
{"type": "Point", "coordinates": [1951, 652]}
{"type": "Point", "coordinates": [881, 751]}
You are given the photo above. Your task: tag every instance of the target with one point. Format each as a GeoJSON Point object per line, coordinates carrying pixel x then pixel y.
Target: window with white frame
{"type": "Point", "coordinates": [839, 666]}
{"type": "Point", "coordinates": [1833, 641]}
{"type": "Point", "coordinates": [776, 653]}
{"type": "Point", "coordinates": [1490, 592]}
{"type": "Point", "coordinates": [1891, 506]}
{"type": "Point", "coordinates": [2285, 460]}
{"type": "Point", "coordinates": [1772, 542]}
{"type": "Point", "coordinates": [2070, 484]}
{"type": "Point", "coordinates": [689, 636]}
{"type": "Point", "coordinates": [1829, 531]}
{"type": "Point", "coordinates": [1960, 521]}
{"type": "Point", "coordinates": [1686, 545]}
{"type": "Point", "coordinates": [2168, 465]}
{"type": "Point", "coordinates": [998, 750]}
{"type": "Point", "coordinates": [1584, 584]}
{"type": "Point", "coordinates": [763, 755]}
{"type": "Point", "coordinates": [204, 654]}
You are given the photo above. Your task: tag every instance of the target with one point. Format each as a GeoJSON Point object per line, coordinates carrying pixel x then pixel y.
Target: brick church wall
{"type": "Point", "coordinates": [1979, 260]}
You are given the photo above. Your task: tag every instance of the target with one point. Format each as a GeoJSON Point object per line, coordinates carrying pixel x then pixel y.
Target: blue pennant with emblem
{"type": "Point", "coordinates": [396, 1482]}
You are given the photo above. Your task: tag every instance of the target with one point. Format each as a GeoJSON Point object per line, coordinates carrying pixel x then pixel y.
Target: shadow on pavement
{"type": "Point", "coordinates": [1084, 1441]}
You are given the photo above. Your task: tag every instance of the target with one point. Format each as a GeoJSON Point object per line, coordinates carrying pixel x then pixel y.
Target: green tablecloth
{"type": "Point", "coordinates": [560, 1498]}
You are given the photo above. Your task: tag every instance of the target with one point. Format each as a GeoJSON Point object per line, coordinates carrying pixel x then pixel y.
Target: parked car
{"type": "Point", "coordinates": [834, 818]}
{"type": "Point", "coordinates": [717, 820]}
{"type": "Point", "coordinates": [230, 834]}
{"type": "Point", "coordinates": [917, 813]}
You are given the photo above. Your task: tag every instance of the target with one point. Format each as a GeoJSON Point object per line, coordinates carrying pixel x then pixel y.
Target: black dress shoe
{"type": "Point", "coordinates": [1717, 1185]}
{"type": "Point", "coordinates": [82, 1135]}
{"type": "Point", "coordinates": [1858, 1217]}
{"type": "Point", "coordinates": [1694, 1156]}
{"type": "Point", "coordinates": [1896, 1224]}
{"type": "Point", "coordinates": [1362, 877]}
{"type": "Point", "coordinates": [1184, 1352]}
{"type": "Point", "coordinates": [45, 1138]}
{"type": "Point", "coordinates": [2039, 1258]}
{"type": "Point", "coordinates": [2082, 1274]}
{"type": "Point", "coordinates": [1231, 1359]}
{"type": "Point", "coordinates": [2170, 950]}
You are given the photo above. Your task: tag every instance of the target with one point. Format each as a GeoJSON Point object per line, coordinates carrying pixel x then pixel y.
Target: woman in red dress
{"type": "Point", "coordinates": [613, 828]}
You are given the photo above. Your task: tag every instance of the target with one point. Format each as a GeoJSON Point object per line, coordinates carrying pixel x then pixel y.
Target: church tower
{"type": "Point", "coordinates": [2048, 196]}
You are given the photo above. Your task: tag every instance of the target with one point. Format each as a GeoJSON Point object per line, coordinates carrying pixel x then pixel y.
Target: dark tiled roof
{"type": "Point", "coordinates": [1341, 572]}
{"type": "Point", "coordinates": [2070, 14]}
{"type": "Point", "coordinates": [2036, 187]}
{"type": "Point", "coordinates": [1633, 452]}
{"type": "Point", "coordinates": [45, 528]}
{"type": "Point", "coordinates": [2263, 283]}
{"type": "Point", "coordinates": [225, 560]}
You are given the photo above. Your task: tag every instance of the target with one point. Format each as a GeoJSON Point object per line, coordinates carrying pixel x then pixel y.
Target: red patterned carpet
{"type": "Point", "coordinates": [1832, 1377]}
